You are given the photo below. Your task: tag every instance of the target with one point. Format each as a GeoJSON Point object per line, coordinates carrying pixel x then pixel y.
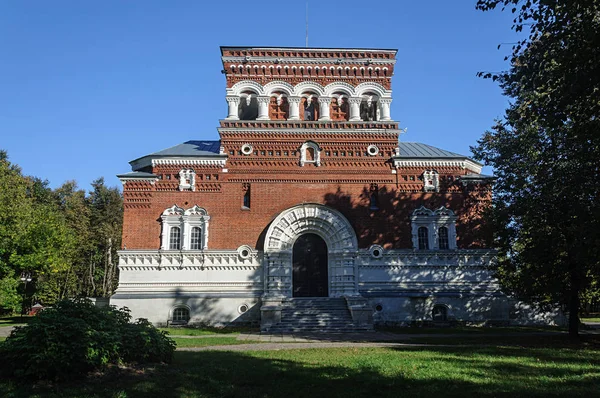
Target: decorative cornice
{"type": "Point", "coordinates": [427, 163]}
{"type": "Point", "coordinates": [255, 125]}
{"type": "Point", "coordinates": [189, 162]}
{"type": "Point", "coordinates": [150, 180]}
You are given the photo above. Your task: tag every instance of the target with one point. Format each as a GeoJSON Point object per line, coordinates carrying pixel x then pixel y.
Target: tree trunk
{"type": "Point", "coordinates": [574, 301]}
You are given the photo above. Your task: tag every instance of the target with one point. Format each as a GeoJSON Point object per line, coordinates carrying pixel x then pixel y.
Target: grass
{"type": "Point", "coordinates": [558, 369]}
{"type": "Point", "coordinates": [591, 319]}
{"type": "Point", "coordinates": [14, 320]}
{"type": "Point", "coordinates": [209, 341]}
{"type": "Point", "coordinates": [187, 331]}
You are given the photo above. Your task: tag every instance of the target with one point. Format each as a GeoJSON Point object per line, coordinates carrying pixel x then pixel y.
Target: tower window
{"type": "Point", "coordinates": [423, 236]}
{"type": "Point", "coordinates": [175, 238]}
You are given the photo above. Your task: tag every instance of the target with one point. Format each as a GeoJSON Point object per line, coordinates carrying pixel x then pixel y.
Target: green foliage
{"type": "Point", "coordinates": [75, 337]}
{"type": "Point", "coordinates": [65, 239]}
{"type": "Point", "coordinates": [545, 154]}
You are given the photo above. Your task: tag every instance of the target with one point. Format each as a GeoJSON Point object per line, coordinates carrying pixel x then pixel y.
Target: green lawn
{"type": "Point", "coordinates": [209, 341]}
{"type": "Point", "coordinates": [591, 319]}
{"type": "Point", "coordinates": [506, 371]}
{"type": "Point", "coordinates": [14, 320]}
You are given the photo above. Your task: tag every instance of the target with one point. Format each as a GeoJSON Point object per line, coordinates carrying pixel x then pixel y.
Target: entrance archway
{"type": "Point", "coordinates": [310, 274]}
{"type": "Point", "coordinates": [340, 245]}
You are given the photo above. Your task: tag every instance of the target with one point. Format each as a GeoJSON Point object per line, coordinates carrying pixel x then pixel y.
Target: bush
{"type": "Point", "coordinates": [76, 337]}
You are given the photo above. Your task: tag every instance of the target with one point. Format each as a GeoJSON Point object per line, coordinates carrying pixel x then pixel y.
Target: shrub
{"type": "Point", "coordinates": [76, 337]}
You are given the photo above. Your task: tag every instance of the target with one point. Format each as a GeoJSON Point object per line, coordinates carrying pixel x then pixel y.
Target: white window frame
{"type": "Point", "coordinates": [433, 220]}
{"type": "Point", "coordinates": [431, 181]}
{"type": "Point", "coordinates": [185, 220]}
{"type": "Point", "coordinates": [317, 153]}
{"type": "Point", "coordinates": [187, 180]}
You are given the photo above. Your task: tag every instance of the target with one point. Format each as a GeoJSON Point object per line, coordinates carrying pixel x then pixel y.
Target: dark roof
{"type": "Point", "coordinates": [191, 148]}
{"type": "Point", "coordinates": [424, 151]}
{"type": "Point", "coordinates": [137, 174]}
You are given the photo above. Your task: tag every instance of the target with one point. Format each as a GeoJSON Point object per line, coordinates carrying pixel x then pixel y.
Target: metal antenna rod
{"type": "Point", "coordinates": [307, 24]}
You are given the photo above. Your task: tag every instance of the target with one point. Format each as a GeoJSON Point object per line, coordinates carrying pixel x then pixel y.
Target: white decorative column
{"type": "Point", "coordinates": [263, 107]}
{"type": "Point", "coordinates": [355, 108]}
{"type": "Point", "coordinates": [324, 103]}
{"type": "Point", "coordinates": [294, 103]}
{"type": "Point", "coordinates": [233, 102]}
{"type": "Point", "coordinates": [385, 108]}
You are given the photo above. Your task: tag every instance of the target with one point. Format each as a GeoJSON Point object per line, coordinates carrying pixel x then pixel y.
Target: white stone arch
{"type": "Point", "coordinates": [346, 88]}
{"type": "Point", "coordinates": [302, 87]}
{"type": "Point", "coordinates": [273, 86]}
{"type": "Point", "coordinates": [246, 85]}
{"type": "Point", "coordinates": [332, 227]}
{"type": "Point", "coordinates": [372, 87]}
{"type": "Point", "coordinates": [328, 223]}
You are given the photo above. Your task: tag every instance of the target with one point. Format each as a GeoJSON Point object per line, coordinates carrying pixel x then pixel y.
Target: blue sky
{"type": "Point", "coordinates": [85, 86]}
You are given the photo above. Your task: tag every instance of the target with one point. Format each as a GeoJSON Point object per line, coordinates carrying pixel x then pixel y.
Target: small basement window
{"type": "Point", "coordinates": [181, 315]}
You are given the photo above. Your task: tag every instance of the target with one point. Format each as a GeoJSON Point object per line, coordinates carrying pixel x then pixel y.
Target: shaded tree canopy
{"type": "Point", "coordinates": [546, 153]}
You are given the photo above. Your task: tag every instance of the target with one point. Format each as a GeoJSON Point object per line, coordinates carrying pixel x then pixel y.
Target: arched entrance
{"type": "Point", "coordinates": [337, 239]}
{"type": "Point", "coordinates": [309, 259]}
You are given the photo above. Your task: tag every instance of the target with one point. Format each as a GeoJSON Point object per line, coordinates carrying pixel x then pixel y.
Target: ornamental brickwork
{"type": "Point", "coordinates": [305, 126]}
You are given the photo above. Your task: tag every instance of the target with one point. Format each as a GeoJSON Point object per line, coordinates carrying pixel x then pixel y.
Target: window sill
{"type": "Point", "coordinates": [244, 208]}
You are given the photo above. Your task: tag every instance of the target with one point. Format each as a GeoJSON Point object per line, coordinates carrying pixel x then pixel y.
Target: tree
{"type": "Point", "coordinates": [546, 153]}
{"type": "Point", "coordinates": [34, 237]}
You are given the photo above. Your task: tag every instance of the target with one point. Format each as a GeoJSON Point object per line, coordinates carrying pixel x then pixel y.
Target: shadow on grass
{"type": "Point", "coordinates": [14, 320]}
{"type": "Point", "coordinates": [348, 372]}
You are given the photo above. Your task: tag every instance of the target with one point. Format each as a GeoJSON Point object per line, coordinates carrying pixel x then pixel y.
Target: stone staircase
{"type": "Point", "coordinates": [317, 314]}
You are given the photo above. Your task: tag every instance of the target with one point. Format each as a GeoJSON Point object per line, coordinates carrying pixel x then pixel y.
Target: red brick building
{"type": "Point", "coordinates": [308, 193]}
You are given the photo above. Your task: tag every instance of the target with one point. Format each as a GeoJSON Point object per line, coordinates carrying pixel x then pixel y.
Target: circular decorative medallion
{"type": "Point", "coordinates": [247, 149]}
{"type": "Point", "coordinates": [372, 150]}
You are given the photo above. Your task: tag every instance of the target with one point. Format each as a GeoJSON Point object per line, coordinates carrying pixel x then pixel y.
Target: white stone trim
{"type": "Point", "coordinates": [151, 180]}
{"type": "Point", "coordinates": [187, 180]}
{"type": "Point", "coordinates": [433, 220]}
{"type": "Point", "coordinates": [302, 87]}
{"type": "Point", "coordinates": [316, 150]}
{"type": "Point", "coordinates": [278, 85]}
{"type": "Point", "coordinates": [431, 181]}
{"type": "Point", "coordinates": [185, 220]}
{"type": "Point", "coordinates": [189, 162]}
{"type": "Point", "coordinates": [432, 163]}
{"type": "Point", "coordinates": [312, 61]}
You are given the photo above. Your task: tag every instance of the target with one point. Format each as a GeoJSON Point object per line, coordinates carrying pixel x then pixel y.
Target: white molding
{"type": "Point", "coordinates": [151, 180]}
{"type": "Point", "coordinates": [312, 61]}
{"type": "Point", "coordinates": [432, 163]}
{"type": "Point", "coordinates": [189, 162]}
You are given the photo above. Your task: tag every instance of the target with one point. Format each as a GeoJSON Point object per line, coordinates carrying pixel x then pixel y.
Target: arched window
{"type": "Point", "coordinates": [339, 109]}
{"type": "Point", "coordinates": [248, 108]}
{"type": "Point", "coordinates": [195, 239]}
{"type": "Point", "coordinates": [423, 235]}
{"type": "Point", "coordinates": [181, 315]}
{"type": "Point", "coordinates": [175, 238]}
{"type": "Point", "coordinates": [278, 107]}
{"type": "Point", "coordinates": [439, 313]}
{"type": "Point", "coordinates": [443, 238]}
{"type": "Point", "coordinates": [310, 107]}
{"type": "Point", "coordinates": [369, 108]}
